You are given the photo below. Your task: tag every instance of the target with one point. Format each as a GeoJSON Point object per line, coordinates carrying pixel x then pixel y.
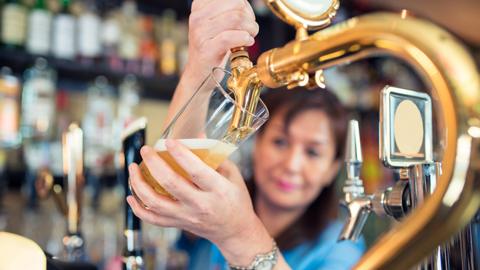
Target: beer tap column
{"type": "Point", "coordinates": [394, 201]}
{"type": "Point", "coordinates": [356, 202]}
{"type": "Point", "coordinates": [73, 241]}
{"type": "Point", "coordinates": [133, 139]}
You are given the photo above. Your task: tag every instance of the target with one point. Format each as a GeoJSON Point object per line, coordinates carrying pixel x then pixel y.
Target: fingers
{"type": "Point", "coordinates": [176, 185]}
{"type": "Point", "coordinates": [215, 27]}
{"type": "Point", "coordinates": [149, 216]}
{"type": "Point", "coordinates": [232, 20]}
{"type": "Point", "coordinates": [216, 17]}
{"type": "Point", "coordinates": [250, 10]}
{"type": "Point", "coordinates": [151, 199]}
{"type": "Point", "coordinates": [222, 43]}
{"type": "Point", "coordinates": [230, 171]}
{"type": "Point", "coordinates": [200, 173]}
{"type": "Point", "coordinates": [212, 8]}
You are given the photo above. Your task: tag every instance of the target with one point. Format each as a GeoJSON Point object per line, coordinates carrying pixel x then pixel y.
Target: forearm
{"type": "Point", "coordinates": [189, 82]}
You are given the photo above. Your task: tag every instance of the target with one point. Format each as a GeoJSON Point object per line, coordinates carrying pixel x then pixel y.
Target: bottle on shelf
{"type": "Point", "coordinates": [148, 47]}
{"type": "Point", "coordinates": [38, 101]}
{"type": "Point", "coordinates": [166, 39]}
{"type": "Point", "coordinates": [98, 133]}
{"type": "Point", "coordinates": [129, 46]}
{"type": "Point", "coordinates": [89, 46]}
{"type": "Point", "coordinates": [110, 41]}
{"type": "Point", "coordinates": [63, 35]}
{"type": "Point", "coordinates": [62, 120]}
{"type": "Point", "coordinates": [9, 109]}
{"type": "Point", "coordinates": [182, 45]}
{"type": "Point", "coordinates": [39, 29]}
{"type": "Point", "coordinates": [129, 98]}
{"type": "Point", "coordinates": [14, 24]}
{"type": "Point", "coordinates": [38, 114]}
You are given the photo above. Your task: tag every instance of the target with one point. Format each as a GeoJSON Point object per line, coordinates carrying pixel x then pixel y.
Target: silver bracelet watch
{"type": "Point", "coordinates": [264, 261]}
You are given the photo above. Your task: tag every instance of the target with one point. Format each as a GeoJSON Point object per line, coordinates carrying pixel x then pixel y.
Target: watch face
{"type": "Point", "coordinates": [265, 265]}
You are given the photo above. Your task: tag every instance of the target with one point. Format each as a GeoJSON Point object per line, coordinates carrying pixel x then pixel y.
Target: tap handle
{"type": "Point", "coordinates": [73, 175]}
{"type": "Point", "coordinates": [353, 162]}
{"type": "Point", "coordinates": [133, 138]}
{"type": "Point", "coordinates": [73, 242]}
{"type": "Point", "coordinates": [239, 60]}
{"type": "Point", "coordinates": [353, 153]}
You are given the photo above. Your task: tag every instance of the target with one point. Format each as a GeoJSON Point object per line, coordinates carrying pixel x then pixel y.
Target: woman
{"type": "Point", "coordinates": [296, 157]}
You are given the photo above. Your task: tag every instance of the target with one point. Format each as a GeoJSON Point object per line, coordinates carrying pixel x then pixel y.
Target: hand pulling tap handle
{"type": "Point", "coordinates": [133, 138]}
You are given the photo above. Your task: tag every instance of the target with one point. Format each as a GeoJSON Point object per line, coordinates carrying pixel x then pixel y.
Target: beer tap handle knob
{"type": "Point", "coordinates": [353, 161]}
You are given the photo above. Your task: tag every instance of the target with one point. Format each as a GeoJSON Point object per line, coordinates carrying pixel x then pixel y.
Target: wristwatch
{"type": "Point", "coordinates": [265, 261]}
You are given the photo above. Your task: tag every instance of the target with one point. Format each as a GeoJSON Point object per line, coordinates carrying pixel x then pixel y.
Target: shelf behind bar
{"type": "Point", "coordinates": [74, 75]}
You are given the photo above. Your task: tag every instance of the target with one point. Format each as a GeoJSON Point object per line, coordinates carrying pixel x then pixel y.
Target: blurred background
{"type": "Point", "coordinates": [104, 63]}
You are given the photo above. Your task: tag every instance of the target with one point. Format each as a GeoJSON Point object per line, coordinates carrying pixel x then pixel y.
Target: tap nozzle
{"type": "Point", "coordinates": [358, 210]}
{"type": "Point", "coordinates": [245, 85]}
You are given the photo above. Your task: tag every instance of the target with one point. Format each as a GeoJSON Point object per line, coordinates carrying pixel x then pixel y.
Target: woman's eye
{"type": "Point", "coordinates": [313, 153]}
{"type": "Point", "coordinates": [280, 142]}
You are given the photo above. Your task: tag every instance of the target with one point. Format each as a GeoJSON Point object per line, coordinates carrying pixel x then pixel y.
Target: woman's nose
{"type": "Point", "coordinates": [293, 160]}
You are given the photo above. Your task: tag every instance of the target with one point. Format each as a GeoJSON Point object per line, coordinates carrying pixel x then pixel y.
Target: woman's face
{"type": "Point", "coordinates": [293, 165]}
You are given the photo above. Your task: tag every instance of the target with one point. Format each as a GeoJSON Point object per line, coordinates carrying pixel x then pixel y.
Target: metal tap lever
{"type": "Point", "coordinates": [356, 202]}
{"type": "Point", "coordinates": [74, 181]}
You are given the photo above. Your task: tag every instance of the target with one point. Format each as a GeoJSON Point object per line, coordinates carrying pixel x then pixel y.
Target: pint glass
{"type": "Point", "coordinates": [203, 126]}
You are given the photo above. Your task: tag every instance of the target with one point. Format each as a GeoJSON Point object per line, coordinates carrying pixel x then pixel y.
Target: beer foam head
{"type": "Point", "coordinates": [214, 145]}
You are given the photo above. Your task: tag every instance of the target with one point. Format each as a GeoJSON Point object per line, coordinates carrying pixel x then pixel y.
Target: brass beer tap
{"type": "Point", "coordinates": [452, 80]}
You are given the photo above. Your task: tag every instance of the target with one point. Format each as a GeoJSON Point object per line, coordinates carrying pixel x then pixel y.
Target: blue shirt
{"type": "Point", "coordinates": [322, 253]}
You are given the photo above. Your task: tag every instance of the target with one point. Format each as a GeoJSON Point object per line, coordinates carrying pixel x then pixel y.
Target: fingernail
{"type": "Point", "coordinates": [145, 150]}
{"type": "Point", "coordinates": [250, 41]}
{"type": "Point", "coordinates": [130, 168]}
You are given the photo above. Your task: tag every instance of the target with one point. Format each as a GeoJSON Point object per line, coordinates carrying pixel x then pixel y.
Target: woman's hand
{"type": "Point", "coordinates": [215, 27]}
{"type": "Point", "coordinates": [208, 204]}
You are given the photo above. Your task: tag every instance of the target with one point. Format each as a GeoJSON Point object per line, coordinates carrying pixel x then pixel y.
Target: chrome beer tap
{"type": "Point", "coordinates": [68, 196]}
{"type": "Point", "coordinates": [73, 241]}
{"type": "Point", "coordinates": [356, 202]}
{"type": "Point", "coordinates": [394, 201]}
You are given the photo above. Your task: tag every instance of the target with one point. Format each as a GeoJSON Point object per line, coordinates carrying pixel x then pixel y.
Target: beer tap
{"type": "Point", "coordinates": [356, 202]}
{"type": "Point", "coordinates": [245, 85]}
{"type": "Point", "coordinates": [68, 196]}
{"type": "Point", "coordinates": [133, 138]}
{"type": "Point", "coordinates": [73, 241]}
{"type": "Point", "coordinates": [394, 201]}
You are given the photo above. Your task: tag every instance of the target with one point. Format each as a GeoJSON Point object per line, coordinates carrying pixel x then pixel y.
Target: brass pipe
{"type": "Point", "coordinates": [453, 82]}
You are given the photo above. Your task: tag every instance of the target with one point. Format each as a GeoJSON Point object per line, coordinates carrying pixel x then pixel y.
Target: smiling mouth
{"type": "Point", "coordinates": [286, 186]}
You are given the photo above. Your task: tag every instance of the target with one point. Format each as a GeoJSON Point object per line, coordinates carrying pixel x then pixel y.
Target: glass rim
{"type": "Point", "coordinates": [227, 96]}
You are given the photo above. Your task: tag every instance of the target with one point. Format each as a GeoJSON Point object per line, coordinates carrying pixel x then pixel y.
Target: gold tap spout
{"type": "Point", "coordinates": [245, 85]}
